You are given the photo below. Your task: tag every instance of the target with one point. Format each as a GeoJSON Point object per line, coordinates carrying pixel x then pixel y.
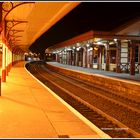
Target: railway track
{"type": "Point", "coordinates": [117, 118]}
{"type": "Point", "coordinates": [103, 92]}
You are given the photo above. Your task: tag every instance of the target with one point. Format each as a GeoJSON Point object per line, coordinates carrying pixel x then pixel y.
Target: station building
{"type": "Point", "coordinates": [117, 50]}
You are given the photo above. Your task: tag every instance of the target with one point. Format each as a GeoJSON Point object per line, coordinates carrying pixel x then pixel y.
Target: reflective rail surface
{"type": "Point", "coordinates": [113, 113]}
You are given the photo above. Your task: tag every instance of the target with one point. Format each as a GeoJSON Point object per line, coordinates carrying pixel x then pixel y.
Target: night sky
{"type": "Point", "coordinates": [100, 16]}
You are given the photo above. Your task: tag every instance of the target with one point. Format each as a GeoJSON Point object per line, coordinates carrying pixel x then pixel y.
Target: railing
{"type": "Point", "coordinates": [125, 67]}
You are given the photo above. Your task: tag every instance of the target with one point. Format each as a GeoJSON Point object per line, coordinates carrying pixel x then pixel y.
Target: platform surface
{"type": "Point", "coordinates": [29, 110]}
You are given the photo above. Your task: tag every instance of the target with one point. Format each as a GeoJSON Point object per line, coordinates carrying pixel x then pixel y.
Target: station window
{"type": "Point", "coordinates": [113, 56]}
{"type": "Point", "coordinates": [95, 56]}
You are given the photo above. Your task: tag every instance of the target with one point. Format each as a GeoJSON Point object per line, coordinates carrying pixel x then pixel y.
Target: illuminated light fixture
{"type": "Point", "coordinates": [96, 39]}
{"type": "Point", "coordinates": [110, 43]}
{"type": "Point", "coordinates": [91, 48]}
{"type": "Point", "coordinates": [115, 39]}
{"type": "Point", "coordinates": [78, 49]}
{"type": "Point", "coordinates": [95, 48]}
{"type": "Point", "coordinates": [25, 53]}
{"type": "Point", "coordinates": [87, 45]}
{"type": "Point", "coordinates": [69, 49]}
{"type": "Point", "coordinates": [78, 44]}
{"type": "Point", "coordinates": [99, 43]}
{"type": "Point", "coordinates": [73, 47]}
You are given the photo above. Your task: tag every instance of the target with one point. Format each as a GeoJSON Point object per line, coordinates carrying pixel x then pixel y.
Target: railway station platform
{"type": "Point", "coordinates": [29, 110]}
{"type": "Point", "coordinates": [123, 76]}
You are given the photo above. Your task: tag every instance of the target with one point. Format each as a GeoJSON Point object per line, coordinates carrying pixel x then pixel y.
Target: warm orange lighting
{"type": "Point", "coordinates": [95, 48]}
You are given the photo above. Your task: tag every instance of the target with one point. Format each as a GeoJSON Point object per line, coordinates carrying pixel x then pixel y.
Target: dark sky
{"type": "Point", "coordinates": [102, 16]}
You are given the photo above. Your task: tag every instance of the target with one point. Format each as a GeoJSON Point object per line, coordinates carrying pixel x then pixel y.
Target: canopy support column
{"type": "Point", "coordinates": [107, 56]}
{"type": "Point", "coordinates": [132, 58]}
{"type": "Point", "coordinates": [118, 56]}
{"type": "Point", "coordinates": [3, 63]}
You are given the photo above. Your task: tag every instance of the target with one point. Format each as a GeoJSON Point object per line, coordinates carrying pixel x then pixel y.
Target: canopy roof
{"type": "Point", "coordinates": [127, 31]}
{"type": "Point", "coordinates": [26, 21]}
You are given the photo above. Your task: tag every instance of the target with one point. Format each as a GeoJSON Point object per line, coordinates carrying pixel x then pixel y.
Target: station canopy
{"type": "Point", "coordinates": [127, 31]}
{"type": "Point", "coordinates": [26, 21]}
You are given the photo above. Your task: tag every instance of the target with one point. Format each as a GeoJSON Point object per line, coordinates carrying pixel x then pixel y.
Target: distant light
{"type": "Point", "coordinates": [29, 59]}
{"type": "Point", "coordinates": [115, 39]}
{"type": "Point", "coordinates": [73, 47]}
